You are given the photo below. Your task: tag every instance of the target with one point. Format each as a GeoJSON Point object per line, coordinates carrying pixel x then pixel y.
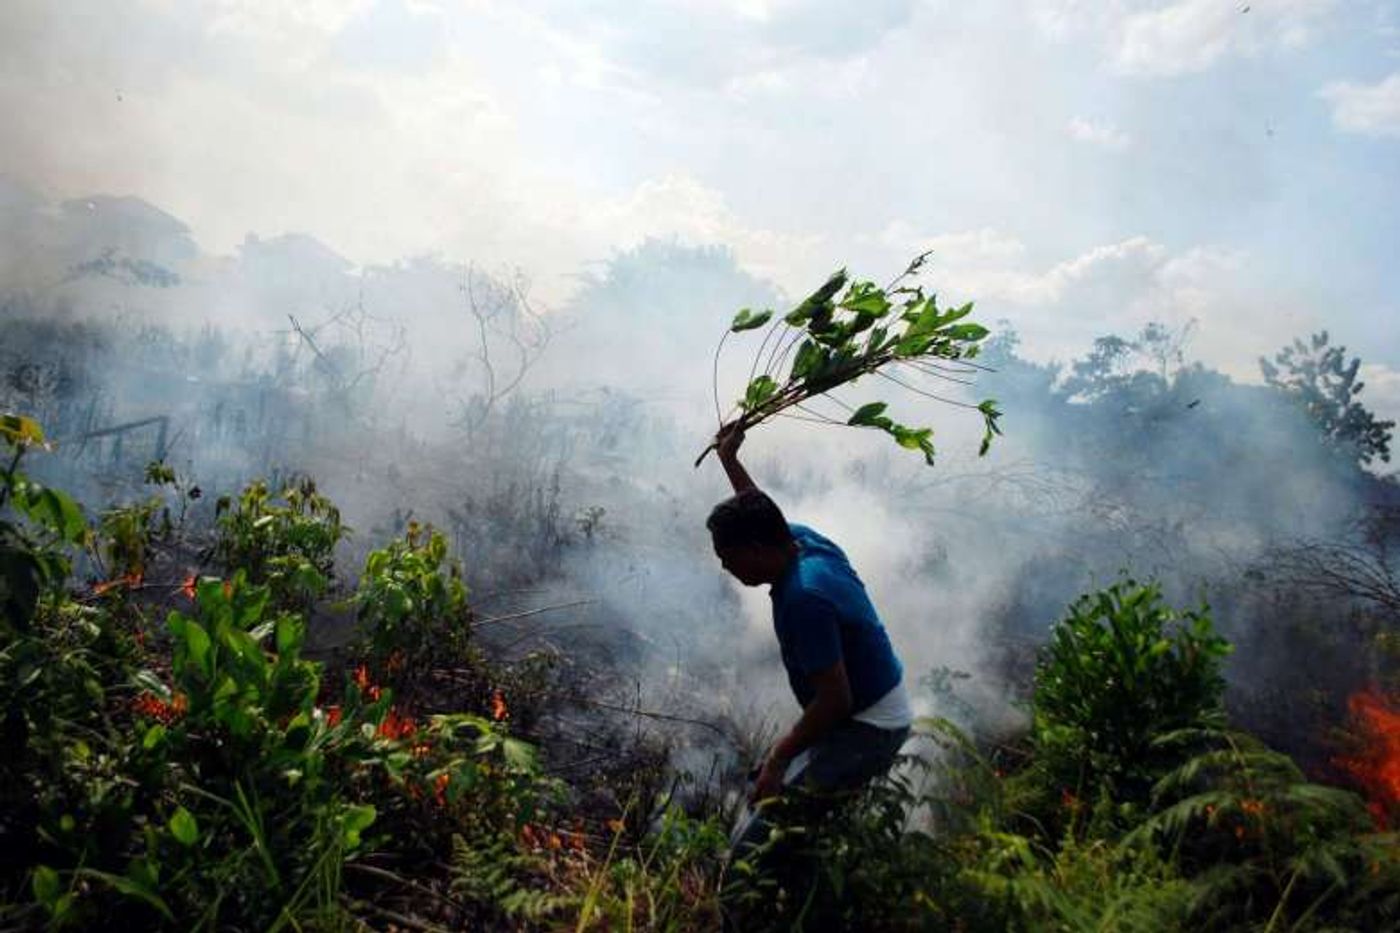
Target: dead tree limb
{"type": "Point", "coordinates": [530, 612]}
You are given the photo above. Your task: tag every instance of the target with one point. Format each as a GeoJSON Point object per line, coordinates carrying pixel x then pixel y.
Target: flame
{"type": "Point", "coordinates": [396, 726]}
{"type": "Point", "coordinates": [151, 706]}
{"type": "Point", "coordinates": [498, 705]}
{"type": "Point", "coordinates": [1376, 766]}
{"type": "Point", "coordinates": [131, 581]}
{"type": "Point", "coordinates": [440, 785]}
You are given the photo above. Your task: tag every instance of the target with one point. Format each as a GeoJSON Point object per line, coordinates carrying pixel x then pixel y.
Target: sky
{"type": "Point", "coordinates": [1078, 168]}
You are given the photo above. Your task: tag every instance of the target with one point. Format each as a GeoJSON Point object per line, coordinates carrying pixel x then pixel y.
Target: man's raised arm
{"type": "Point", "coordinates": [727, 443]}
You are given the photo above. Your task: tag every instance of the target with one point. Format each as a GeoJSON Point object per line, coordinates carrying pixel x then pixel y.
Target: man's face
{"type": "Point", "coordinates": [744, 561]}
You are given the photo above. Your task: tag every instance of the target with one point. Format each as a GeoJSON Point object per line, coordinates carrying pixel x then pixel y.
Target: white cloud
{"type": "Point", "coordinates": [966, 249]}
{"type": "Point", "coordinates": [1149, 38]}
{"type": "Point", "coordinates": [1112, 288]}
{"type": "Point", "coordinates": [679, 205]}
{"type": "Point", "coordinates": [1099, 133]}
{"type": "Point", "coordinates": [1369, 109]}
{"type": "Point", "coordinates": [1111, 269]}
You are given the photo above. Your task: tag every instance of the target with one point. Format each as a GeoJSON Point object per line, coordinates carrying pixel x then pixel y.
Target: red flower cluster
{"type": "Point", "coordinates": [498, 705]}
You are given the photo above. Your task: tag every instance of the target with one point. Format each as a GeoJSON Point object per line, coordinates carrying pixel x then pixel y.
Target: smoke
{"type": "Point", "coordinates": [555, 444]}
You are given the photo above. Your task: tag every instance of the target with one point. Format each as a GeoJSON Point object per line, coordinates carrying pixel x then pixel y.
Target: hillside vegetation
{"type": "Point", "coordinates": [173, 760]}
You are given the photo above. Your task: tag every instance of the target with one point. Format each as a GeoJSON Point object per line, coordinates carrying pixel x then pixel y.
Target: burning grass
{"type": "Point", "coordinates": [1375, 764]}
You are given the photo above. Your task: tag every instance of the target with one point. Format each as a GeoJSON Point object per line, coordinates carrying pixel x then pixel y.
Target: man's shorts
{"type": "Point", "coordinates": [845, 759]}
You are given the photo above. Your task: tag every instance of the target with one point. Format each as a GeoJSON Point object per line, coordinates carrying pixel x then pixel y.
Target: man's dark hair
{"type": "Point", "coordinates": [748, 518]}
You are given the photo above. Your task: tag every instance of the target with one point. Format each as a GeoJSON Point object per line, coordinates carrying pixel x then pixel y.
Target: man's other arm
{"type": "Point", "coordinates": [830, 706]}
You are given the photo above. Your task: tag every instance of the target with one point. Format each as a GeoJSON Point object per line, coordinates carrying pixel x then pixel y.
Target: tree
{"type": "Point", "coordinates": [1116, 363]}
{"type": "Point", "coordinates": [1318, 378]}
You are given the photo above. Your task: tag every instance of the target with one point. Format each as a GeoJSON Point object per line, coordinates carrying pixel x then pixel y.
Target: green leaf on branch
{"type": "Point", "coordinates": [20, 431]}
{"type": "Point", "coordinates": [868, 415]}
{"type": "Point", "coordinates": [913, 346]}
{"type": "Point", "coordinates": [759, 391]}
{"type": "Point", "coordinates": [956, 314]}
{"type": "Point", "coordinates": [920, 439]}
{"type": "Point", "coordinates": [747, 319]}
{"type": "Point", "coordinates": [354, 821]}
{"type": "Point", "coordinates": [46, 886]}
{"type": "Point", "coordinates": [51, 508]}
{"type": "Point", "coordinates": [866, 298]}
{"type": "Point", "coordinates": [967, 333]}
{"type": "Point", "coordinates": [990, 414]}
{"type": "Point", "coordinates": [872, 415]}
{"type": "Point", "coordinates": [811, 356]}
{"type": "Point", "coordinates": [184, 828]}
{"type": "Point", "coordinates": [817, 307]}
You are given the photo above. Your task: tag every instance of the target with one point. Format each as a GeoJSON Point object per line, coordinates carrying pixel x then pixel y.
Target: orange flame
{"type": "Point", "coordinates": [362, 681]}
{"type": "Point", "coordinates": [498, 705]}
{"type": "Point", "coordinates": [131, 581]}
{"type": "Point", "coordinates": [151, 706]}
{"type": "Point", "coordinates": [396, 726]}
{"type": "Point", "coordinates": [440, 785]}
{"type": "Point", "coordinates": [1376, 766]}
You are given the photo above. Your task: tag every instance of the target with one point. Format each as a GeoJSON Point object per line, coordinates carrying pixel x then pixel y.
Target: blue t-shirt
{"type": "Point", "coordinates": [822, 615]}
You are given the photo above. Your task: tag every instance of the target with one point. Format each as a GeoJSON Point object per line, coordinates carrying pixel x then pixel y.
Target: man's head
{"type": "Point", "coordinates": [751, 537]}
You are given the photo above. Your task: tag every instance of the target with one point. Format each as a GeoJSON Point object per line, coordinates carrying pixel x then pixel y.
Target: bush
{"type": "Point", "coordinates": [207, 777]}
{"type": "Point", "coordinates": [1120, 670]}
{"type": "Point", "coordinates": [289, 545]}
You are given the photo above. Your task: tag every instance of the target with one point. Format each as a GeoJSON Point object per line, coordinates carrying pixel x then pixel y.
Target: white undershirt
{"type": "Point", "coordinates": [891, 711]}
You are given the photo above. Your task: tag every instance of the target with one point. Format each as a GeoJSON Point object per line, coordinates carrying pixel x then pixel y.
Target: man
{"type": "Point", "coordinates": [840, 664]}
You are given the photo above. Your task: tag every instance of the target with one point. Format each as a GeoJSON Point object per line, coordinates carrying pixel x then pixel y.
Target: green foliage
{"type": "Point", "coordinates": [1121, 669]}
{"type": "Point", "coordinates": [285, 541]}
{"type": "Point", "coordinates": [201, 782]}
{"type": "Point", "coordinates": [412, 604]}
{"type": "Point", "coordinates": [503, 881]}
{"type": "Point", "coordinates": [39, 527]}
{"type": "Point", "coordinates": [1317, 376]}
{"type": "Point", "coordinates": [1261, 843]}
{"type": "Point", "coordinates": [668, 881]}
{"type": "Point", "coordinates": [835, 337]}
{"type": "Point", "coordinates": [211, 777]}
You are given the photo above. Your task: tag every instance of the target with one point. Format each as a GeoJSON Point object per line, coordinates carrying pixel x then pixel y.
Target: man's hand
{"type": "Point", "coordinates": [728, 440]}
{"type": "Point", "coordinates": [727, 443]}
{"type": "Point", "coordinates": [830, 706]}
{"type": "Point", "coordinates": [770, 779]}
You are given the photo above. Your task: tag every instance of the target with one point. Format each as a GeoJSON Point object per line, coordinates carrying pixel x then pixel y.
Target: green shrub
{"type": "Point", "coordinates": [285, 541]}
{"type": "Point", "coordinates": [1261, 844]}
{"type": "Point", "coordinates": [1119, 671]}
{"type": "Point", "coordinates": [412, 604]}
